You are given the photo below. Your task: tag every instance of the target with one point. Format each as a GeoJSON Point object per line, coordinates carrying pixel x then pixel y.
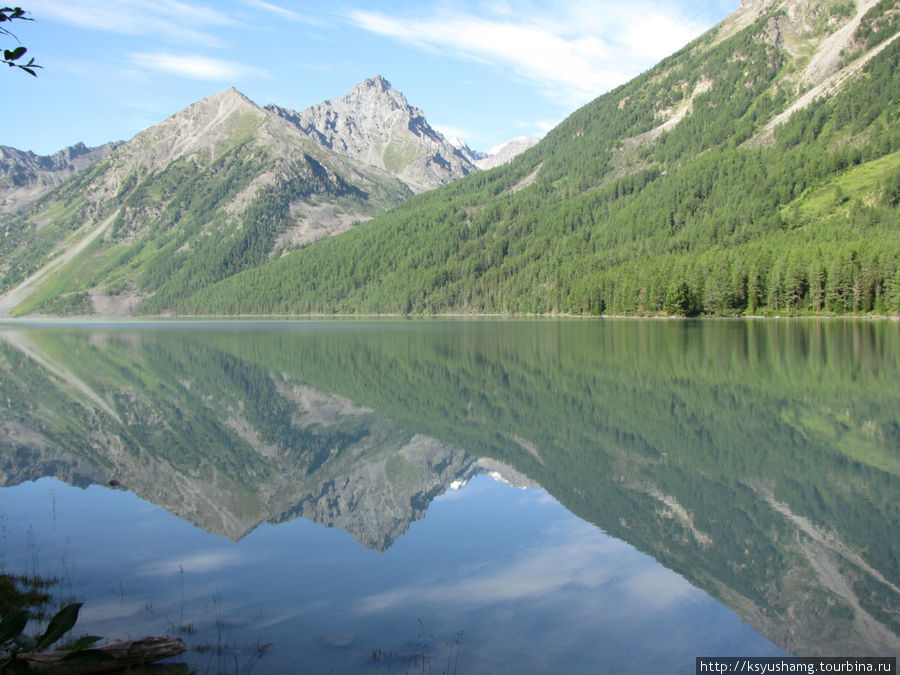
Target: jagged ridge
{"type": "Point", "coordinates": [375, 124]}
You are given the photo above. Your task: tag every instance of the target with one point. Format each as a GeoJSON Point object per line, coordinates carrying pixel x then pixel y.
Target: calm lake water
{"type": "Point", "coordinates": [609, 496]}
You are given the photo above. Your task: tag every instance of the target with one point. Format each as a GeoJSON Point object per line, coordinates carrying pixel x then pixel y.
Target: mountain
{"type": "Point", "coordinates": [497, 155]}
{"type": "Point", "coordinates": [218, 187]}
{"type": "Point", "coordinates": [25, 176]}
{"type": "Point", "coordinates": [375, 124]}
{"type": "Point", "coordinates": [755, 171]}
{"type": "Point", "coordinates": [504, 152]}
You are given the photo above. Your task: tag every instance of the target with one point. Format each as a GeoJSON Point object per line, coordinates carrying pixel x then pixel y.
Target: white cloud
{"type": "Point", "coordinates": [541, 127]}
{"type": "Point", "coordinates": [204, 562]}
{"type": "Point", "coordinates": [658, 588]}
{"type": "Point", "coordinates": [575, 561]}
{"type": "Point", "coordinates": [571, 52]}
{"type": "Point", "coordinates": [166, 20]}
{"type": "Point", "coordinates": [657, 36]}
{"type": "Point", "coordinates": [195, 66]}
{"type": "Point", "coordinates": [284, 13]}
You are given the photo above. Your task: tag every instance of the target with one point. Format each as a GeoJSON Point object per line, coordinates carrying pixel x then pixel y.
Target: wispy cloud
{"type": "Point", "coordinates": [580, 560]}
{"type": "Point", "coordinates": [166, 20]}
{"type": "Point", "coordinates": [195, 66]}
{"type": "Point", "coordinates": [540, 127]}
{"type": "Point", "coordinates": [205, 561]}
{"type": "Point", "coordinates": [571, 52]}
{"type": "Point", "coordinates": [284, 13]}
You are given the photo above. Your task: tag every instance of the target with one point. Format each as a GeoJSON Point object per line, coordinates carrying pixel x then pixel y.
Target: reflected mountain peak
{"type": "Point", "coordinates": [504, 473]}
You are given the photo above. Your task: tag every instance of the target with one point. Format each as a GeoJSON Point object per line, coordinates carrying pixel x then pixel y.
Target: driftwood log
{"type": "Point", "coordinates": [130, 654]}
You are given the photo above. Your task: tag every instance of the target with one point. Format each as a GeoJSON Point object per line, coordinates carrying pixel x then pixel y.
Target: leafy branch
{"type": "Point", "coordinates": [13, 640]}
{"type": "Point", "coordinates": [12, 56]}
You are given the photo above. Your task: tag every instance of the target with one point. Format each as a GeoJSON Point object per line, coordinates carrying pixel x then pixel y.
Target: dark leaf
{"type": "Point", "coordinates": [59, 625]}
{"type": "Point", "coordinates": [13, 624]}
{"type": "Point", "coordinates": [84, 643]}
{"type": "Point", "coordinates": [14, 54]}
{"type": "Point", "coordinates": [12, 12]}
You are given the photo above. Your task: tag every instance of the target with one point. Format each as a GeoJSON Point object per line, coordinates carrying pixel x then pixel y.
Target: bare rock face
{"type": "Point", "coordinates": [756, 6]}
{"type": "Point", "coordinates": [746, 5]}
{"type": "Point", "coordinates": [375, 124]}
{"type": "Point", "coordinates": [25, 176]}
{"type": "Point", "coordinates": [378, 496]}
{"type": "Point", "coordinates": [505, 152]}
{"type": "Point", "coordinates": [196, 130]}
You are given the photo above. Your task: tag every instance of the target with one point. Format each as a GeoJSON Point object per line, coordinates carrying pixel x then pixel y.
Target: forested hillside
{"type": "Point", "coordinates": [676, 193]}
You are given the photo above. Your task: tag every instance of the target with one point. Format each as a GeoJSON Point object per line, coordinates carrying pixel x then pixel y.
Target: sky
{"type": "Point", "coordinates": [482, 71]}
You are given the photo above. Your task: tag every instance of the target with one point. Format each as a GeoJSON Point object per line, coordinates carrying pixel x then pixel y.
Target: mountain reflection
{"type": "Point", "coordinates": [760, 460]}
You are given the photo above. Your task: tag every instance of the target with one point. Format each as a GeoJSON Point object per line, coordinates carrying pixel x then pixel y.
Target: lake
{"type": "Point", "coordinates": [461, 496]}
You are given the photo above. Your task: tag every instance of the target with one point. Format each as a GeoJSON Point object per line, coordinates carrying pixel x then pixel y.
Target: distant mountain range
{"type": "Point", "coordinates": [25, 176]}
{"type": "Point", "coordinates": [503, 153]}
{"type": "Point", "coordinates": [374, 124]}
{"type": "Point", "coordinates": [755, 171]}
{"type": "Point", "coordinates": [264, 180]}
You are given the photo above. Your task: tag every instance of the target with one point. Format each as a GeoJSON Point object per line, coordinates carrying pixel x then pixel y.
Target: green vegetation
{"type": "Point", "coordinates": [27, 245]}
{"type": "Point", "coordinates": [397, 156]}
{"type": "Point", "coordinates": [174, 231]}
{"type": "Point", "coordinates": [877, 25]}
{"type": "Point", "coordinates": [703, 219]}
{"type": "Point", "coordinates": [19, 591]}
{"type": "Point", "coordinates": [14, 640]}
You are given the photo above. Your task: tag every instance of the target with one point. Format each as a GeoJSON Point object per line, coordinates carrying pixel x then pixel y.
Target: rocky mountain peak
{"type": "Point", "coordinates": [754, 5]}
{"type": "Point", "coordinates": [231, 96]}
{"type": "Point", "coordinates": [377, 83]}
{"type": "Point", "coordinates": [225, 102]}
{"type": "Point", "coordinates": [195, 129]}
{"type": "Point", "coordinates": [505, 152]}
{"type": "Point", "coordinates": [375, 124]}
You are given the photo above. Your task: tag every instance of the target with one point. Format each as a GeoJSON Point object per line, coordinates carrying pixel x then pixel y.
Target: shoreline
{"type": "Point", "coordinates": [288, 318]}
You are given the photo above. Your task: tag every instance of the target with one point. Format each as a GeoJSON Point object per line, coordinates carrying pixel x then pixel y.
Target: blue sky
{"type": "Point", "coordinates": [482, 71]}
